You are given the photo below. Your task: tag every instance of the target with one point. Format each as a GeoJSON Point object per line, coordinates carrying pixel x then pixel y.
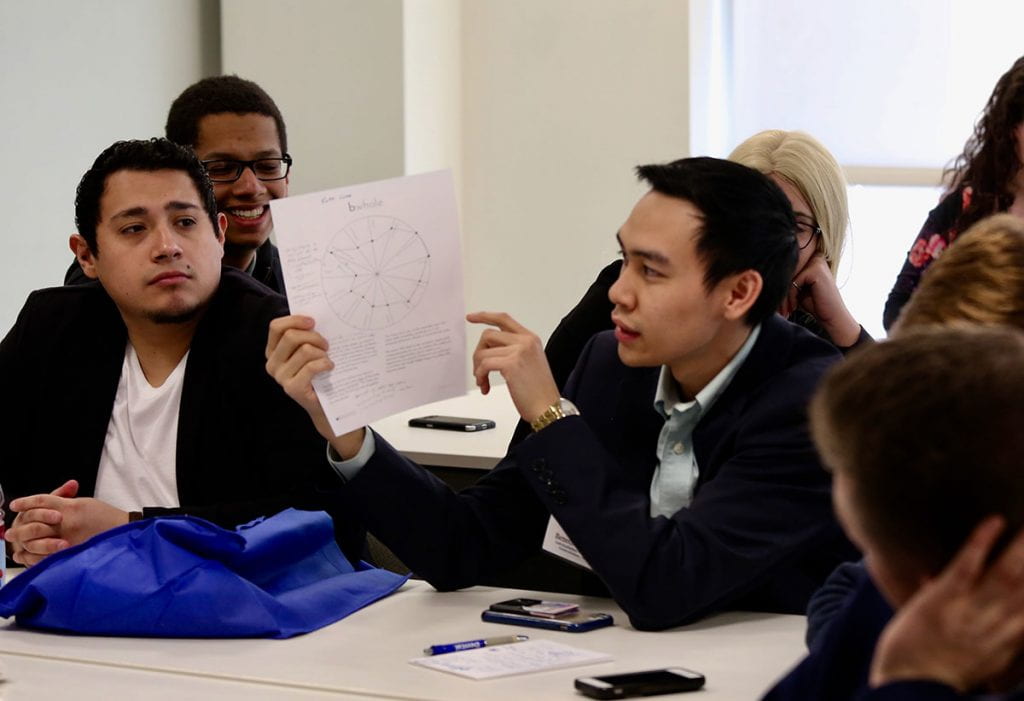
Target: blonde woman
{"type": "Point", "coordinates": [815, 186]}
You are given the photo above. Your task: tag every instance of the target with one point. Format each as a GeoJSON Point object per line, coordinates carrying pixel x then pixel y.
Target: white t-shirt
{"type": "Point", "coordinates": [137, 466]}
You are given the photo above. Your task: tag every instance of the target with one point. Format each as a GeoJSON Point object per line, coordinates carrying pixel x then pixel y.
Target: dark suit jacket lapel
{"type": "Point", "coordinates": [641, 423]}
{"type": "Point", "coordinates": [96, 363]}
{"type": "Point", "coordinates": [197, 401]}
{"type": "Point", "coordinates": [769, 353]}
{"type": "Point", "coordinates": [617, 402]}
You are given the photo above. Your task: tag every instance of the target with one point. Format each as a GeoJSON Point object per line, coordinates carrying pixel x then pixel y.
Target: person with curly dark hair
{"type": "Point", "coordinates": [985, 179]}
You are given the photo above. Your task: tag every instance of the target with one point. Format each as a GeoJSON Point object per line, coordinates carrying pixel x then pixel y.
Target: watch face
{"type": "Point", "coordinates": [568, 408]}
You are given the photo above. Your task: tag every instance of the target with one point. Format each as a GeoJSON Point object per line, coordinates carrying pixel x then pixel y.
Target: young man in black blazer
{"type": "Point", "coordinates": [678, 461]}
{"type": "Point", "coordinates": [144, 390]}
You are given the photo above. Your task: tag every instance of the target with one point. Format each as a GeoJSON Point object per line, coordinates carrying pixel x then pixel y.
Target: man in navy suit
{"type": "Point", "coordinates": [678, 462]}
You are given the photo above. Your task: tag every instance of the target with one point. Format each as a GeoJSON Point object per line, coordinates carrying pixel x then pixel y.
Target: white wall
{"type": "Point", "coordinates": [432, 83]}
{"type": "Point", "coordinates": [542, 109]}
{"type": "Point", "coordinates": [76, 77]}
{"type": "Point", "coordinates": [334, 68]}
{"type": "Point", "coordinates": [560, 101]}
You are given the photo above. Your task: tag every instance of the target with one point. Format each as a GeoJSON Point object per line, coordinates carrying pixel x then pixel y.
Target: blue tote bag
{"type": "Point", "coordinates": [185, 577]}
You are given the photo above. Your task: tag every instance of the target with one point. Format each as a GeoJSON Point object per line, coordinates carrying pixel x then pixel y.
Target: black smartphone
{"type": "Point", "coordinates": [670, 680]}
{"type": "Point", "coordinates": [573, 623]}
{"type": "Point", "coordinates": [536, 607]}
{"type": "Point", "coordinates": [451, 423]}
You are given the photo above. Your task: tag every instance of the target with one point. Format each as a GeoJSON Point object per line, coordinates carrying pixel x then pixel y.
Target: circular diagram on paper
{"type": "Point", "coordinates": [375, 271]}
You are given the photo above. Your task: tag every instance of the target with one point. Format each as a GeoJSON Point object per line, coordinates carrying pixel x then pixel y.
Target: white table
{"type": "Point", "coordinates": [479, 450]}
{"type": "Point", "coordinates": [366, 654]}
{"type": "Point", "coordinates": [44, 679]}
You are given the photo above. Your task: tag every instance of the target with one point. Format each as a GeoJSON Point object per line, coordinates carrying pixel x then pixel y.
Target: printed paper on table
{"type": "Point", "coordinates": [507, 660]}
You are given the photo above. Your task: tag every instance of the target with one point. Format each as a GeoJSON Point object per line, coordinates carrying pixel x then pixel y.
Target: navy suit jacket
{"type": "Point", "coordinates": [244, 448]}
{"type": "Point", "coordinates": [759, 533]}
{"type": "Point", "coordinates": [838, 666]}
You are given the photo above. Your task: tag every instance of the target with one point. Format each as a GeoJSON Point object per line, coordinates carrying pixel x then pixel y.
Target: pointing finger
{"type": "Point", "coordinates": [500, 319]}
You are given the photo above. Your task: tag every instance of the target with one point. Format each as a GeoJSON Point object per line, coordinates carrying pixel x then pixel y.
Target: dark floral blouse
{"type": "Point", "coordinates": [936, 234]}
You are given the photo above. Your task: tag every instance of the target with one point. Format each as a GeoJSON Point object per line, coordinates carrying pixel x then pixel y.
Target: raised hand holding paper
{"type": "Point", "coordinates": [379, 267]}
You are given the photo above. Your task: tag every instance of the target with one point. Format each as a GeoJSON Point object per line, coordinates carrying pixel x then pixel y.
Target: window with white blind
{"type": "Point", "coordinates": [891, 87]}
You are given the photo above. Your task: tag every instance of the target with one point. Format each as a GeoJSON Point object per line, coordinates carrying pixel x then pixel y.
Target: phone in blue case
{"type": "Point", "coordinates": [574, 623]}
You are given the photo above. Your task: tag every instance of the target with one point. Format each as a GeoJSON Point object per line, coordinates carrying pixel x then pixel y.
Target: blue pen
{"type": "Point", "coordinates": [473, 644]}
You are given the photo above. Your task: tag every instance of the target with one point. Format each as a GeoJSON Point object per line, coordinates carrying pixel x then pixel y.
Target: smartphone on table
{"type": "Point", "coordinates": [550, 615]}
{"type": "Point", "coordinates": [670, 680]}
{"type": "Point", "coordinates": [535, 607]}
{"type": "Point", "coordinates": [451, 423]}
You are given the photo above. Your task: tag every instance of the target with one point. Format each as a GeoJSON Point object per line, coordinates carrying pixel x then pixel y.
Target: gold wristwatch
{"type": "Point", "coordinates": [559, 410]}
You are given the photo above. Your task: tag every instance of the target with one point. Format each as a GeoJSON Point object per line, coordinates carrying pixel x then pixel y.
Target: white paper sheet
{"type": "Point", "coordinates": [507, 660]}
{"type": "Point", "coordinates": [379, 267]}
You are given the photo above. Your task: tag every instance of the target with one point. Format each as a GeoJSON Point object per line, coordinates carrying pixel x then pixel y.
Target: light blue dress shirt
{"type": "Point", "coordinates": [348, 469]}
{"type": "Point", "coordinates": [676, 473]}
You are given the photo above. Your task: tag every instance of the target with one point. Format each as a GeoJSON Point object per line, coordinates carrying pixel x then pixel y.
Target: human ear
{"type": "Point", "coordinates": [86, 257]}
{"type": "Point", "coordinates": [222, 227]}
{"type": "Point", "coordinates": [742, 290]}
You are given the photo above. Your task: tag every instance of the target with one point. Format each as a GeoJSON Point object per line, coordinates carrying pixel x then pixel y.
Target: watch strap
{"type": "Point", "coordinates": [558, 410]}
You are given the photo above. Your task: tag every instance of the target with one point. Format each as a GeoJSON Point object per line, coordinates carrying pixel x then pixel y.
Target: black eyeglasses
{"type": "Point", "coordinates": [806, 232]}
{"type": "Point", "coordinates": [263, 168]}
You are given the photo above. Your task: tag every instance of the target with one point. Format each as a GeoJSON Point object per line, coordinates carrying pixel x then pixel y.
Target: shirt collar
{"type": "Point", "coordinates": [251, 268]}
{"type": "Point", "coordinates": [667, 393]}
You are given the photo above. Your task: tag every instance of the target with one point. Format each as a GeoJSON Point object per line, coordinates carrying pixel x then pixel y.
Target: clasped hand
{"type": "Point", "coordinates": [47, 523]}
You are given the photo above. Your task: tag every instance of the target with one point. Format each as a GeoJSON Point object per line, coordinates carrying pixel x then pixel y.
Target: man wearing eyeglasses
{"type": "Point", "coordinates": [238, 133]}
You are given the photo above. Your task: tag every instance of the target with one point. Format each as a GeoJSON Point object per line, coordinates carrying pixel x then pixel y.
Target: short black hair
{"type": "Point", "coordinates": [216, 95]}
{"type": "Point", "coordinates": [150, 155]}
{"type": "Point", "coordinates": [926, 426]}
{"type": "Point", "coordinates": [748, 223]}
